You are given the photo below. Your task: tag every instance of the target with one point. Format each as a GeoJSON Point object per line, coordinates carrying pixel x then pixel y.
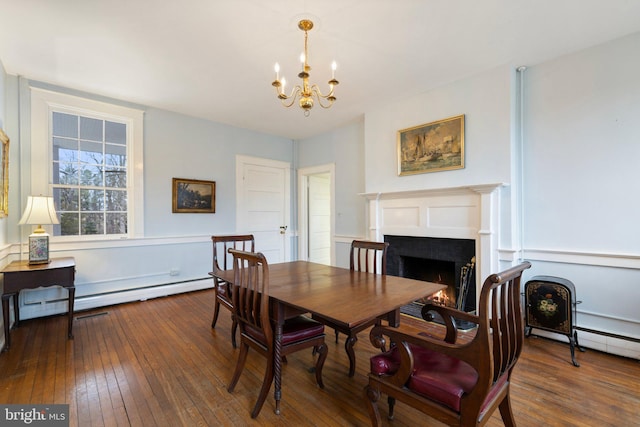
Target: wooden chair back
{"type": "Point", "coordinates": [500, 329]}
{"type": "Point", "coordinates": [250, 292]}
{"type": "Point", "coordinates": [368, 256]}
{"type": "Point", "coordinates": [221, 245]}
{"type": "Point", "coordinates": [251, 311]}
{"type": "Point", "coordinates": [222, 260]}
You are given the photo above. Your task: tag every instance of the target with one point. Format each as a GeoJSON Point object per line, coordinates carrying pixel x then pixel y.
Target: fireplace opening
{"type": "Point", "coordinates": [439, 260]}
{"type": "Point", "coordinates": [432, 270]}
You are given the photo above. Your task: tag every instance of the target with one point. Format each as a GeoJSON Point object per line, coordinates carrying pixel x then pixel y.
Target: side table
{"type": "Point", "coordinates": [20, 275]}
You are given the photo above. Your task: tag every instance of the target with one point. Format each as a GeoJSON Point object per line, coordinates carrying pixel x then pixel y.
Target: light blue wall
{"type": "Point", "coordinates": [185, 147]}
{"type": "Point", "coordinates": [485, 100]}
{"type": "Point", "coordinates": [582, 150]}
{"type": "Point", "coordinates": [345, 148]}
{"type": "Point", "coordinates": [175, 251]}
{"type": "Point", "coordinates": [582, 180]}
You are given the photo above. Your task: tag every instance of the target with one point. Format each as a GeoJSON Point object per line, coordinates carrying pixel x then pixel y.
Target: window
{"type": "Point", "coordinates": [89, 175]}
{"type": "Point", "coordinates": [91, 148]}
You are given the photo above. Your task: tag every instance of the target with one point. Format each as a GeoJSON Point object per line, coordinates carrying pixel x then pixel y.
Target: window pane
{"type": "Point", "coordinates": [116, 200]}
{"type": "Point", "coordinates": [92, 223]}
{"type": "Point", "coordinates": [91, 200]}
{"type": "Point", "coordinates": [115, 155]}
{"type": "Point", "coordinates": [115, 132]}
{"type": "Point", "coordinates": [91, 152]}
{"type": "Point", "coordinates": [91, 175]}
{"type": "Point", "coordinates": [91, 129]}
{"type": "Point", "coordinates": [65, 149]}
{"type": "Point", "coordinates": [66, 199]}
{"type": "Point", "coordinates": [65, 125]}
{"type": "Point", "coordinates": [116, 223]}
{"type": "Point", "coordinates": [69, 224]}
{"type": "Point", "coordinates": [65, 173]}
{"type": "Point", "coordinates": [115, 178]}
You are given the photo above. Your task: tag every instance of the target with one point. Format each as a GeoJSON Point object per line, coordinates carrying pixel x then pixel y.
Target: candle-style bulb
{"type": "Point", "coordinates": [333, 69]}
{"type": "Point", "coordinates": [277, 69]}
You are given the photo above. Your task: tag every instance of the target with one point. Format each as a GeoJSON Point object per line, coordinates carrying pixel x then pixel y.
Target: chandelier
{"type": "Point", "coordinates": [305, 93]}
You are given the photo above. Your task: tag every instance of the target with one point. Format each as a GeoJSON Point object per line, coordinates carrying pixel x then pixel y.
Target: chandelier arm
{"type": "Point", "coordinates": [319, 94]}
{"type": "Point", "coordinates": [294, 94]}
{"type": "Point", "coordinates": [321, 97]}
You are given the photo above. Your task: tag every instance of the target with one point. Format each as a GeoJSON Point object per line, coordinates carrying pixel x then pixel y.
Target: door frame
{"type": "Point", "coordinates": [303, 208]}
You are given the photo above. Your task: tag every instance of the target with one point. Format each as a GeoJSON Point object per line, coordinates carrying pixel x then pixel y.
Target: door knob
{"type": "Point", "coordinates": [283, 229]}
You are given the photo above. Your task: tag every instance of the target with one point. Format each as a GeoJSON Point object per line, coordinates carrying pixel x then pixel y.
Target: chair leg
{"type": "Point", "coordinates": [371, 397]}
{"type": "Point", "coordinates": [264, 390]}
{"type": "Point", "coordinates": [322, 350]}
{"type": "Point", "coordinates": [337, 336]}
{"type": "Point", "coordinates": [506, 412]}
{"type": "Point", "coordinates": [234, 328]}
{"type": "Point", "coordinates": [216, 311]}
{"type": "Point", "coordinates": [348, 346]}
{"type": "Point", "coordinates": [242, 358]}
{"type": "Point", "coordinates": [392, 405]}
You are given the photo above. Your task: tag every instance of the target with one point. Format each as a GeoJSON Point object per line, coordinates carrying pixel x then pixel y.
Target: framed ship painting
{"type": "Point", "coordinates": [432, 147]}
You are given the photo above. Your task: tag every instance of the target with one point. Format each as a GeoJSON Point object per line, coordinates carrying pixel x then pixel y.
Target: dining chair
{"type": "Point", "coordinates": [251, 310]}
{"type": "Point", "coordinates": [369, 257]}
{"type": "Point", "coordinates": [457, 384]}
{"type": "Point", "coordinates": [222, 261]}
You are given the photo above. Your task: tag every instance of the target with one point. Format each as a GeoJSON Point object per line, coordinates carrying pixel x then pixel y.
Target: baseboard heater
{"type": "Point", "coordinates": [120, 296]}
{"type": "Point", "coordinates": [608, 334]}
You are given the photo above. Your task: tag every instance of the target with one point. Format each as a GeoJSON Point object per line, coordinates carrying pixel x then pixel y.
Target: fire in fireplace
{"type": "Point", "coordinates": [440, 260]}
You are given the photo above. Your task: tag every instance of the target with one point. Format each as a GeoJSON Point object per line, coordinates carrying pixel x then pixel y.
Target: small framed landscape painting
{"type": "Point", "coordinates": [194, 196]}
{"type": "Point", "coordinates": [431, 147]}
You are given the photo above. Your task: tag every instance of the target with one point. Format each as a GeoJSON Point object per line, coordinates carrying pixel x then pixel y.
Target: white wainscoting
{"type": "Point", "coordinates": [118, 271]}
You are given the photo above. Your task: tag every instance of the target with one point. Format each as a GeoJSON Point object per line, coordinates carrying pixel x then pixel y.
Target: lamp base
{"type": "Point", "coordinates": [39, 248]}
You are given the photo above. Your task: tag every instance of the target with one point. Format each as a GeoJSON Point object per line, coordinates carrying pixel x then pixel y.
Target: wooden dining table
{"type": "Point", "coordinates": [346, 297]}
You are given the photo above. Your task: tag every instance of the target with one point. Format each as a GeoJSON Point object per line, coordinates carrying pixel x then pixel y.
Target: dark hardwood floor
{"type": "Point", "coordinates": [158, 363]}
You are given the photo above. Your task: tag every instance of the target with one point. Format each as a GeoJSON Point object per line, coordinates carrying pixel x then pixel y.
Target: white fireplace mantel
{"type": "Point", "coordinates": [467, 212]}
{"type": "Point", "coordinates": [484, 188]}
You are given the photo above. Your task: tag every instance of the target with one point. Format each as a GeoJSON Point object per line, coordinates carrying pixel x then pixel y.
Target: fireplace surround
{"type": "Point", "coordinates": [467, 213]}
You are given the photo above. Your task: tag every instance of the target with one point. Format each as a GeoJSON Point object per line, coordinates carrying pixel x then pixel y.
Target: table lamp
{"type": "Point", "coordinates": [40, 210]}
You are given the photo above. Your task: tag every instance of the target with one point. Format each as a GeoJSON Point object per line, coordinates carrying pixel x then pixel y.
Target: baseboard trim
{"type": "Point", "coordinates": [89, 302]}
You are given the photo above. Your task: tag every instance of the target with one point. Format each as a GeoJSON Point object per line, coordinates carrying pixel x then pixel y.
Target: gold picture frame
{"type": "Point", "coordinates": [193, 196]}
{"type": "Point", "coordinates": [431, 147]}
{"type": "Point", "coordinates": [4, 175]}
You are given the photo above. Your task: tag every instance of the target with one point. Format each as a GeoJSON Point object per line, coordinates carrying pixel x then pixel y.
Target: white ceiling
{"type": "Point", "coordinates": [214, 58]}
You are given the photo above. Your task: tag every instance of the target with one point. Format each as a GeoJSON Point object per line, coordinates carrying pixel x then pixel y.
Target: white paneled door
{"type": "Point", "coordinates": [263, 205]}
{"type": "Point", "coordinates": [319, 193]}
{"type": "Point", "coordinates": [316, 206]}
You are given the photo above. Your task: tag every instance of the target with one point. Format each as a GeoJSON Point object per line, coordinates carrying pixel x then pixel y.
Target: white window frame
{"type": "Point", "coordinates": [43, 103]}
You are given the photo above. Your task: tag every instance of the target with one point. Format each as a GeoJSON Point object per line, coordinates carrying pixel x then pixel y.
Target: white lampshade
{"type": "Point", "coordinates": [40, 210]}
